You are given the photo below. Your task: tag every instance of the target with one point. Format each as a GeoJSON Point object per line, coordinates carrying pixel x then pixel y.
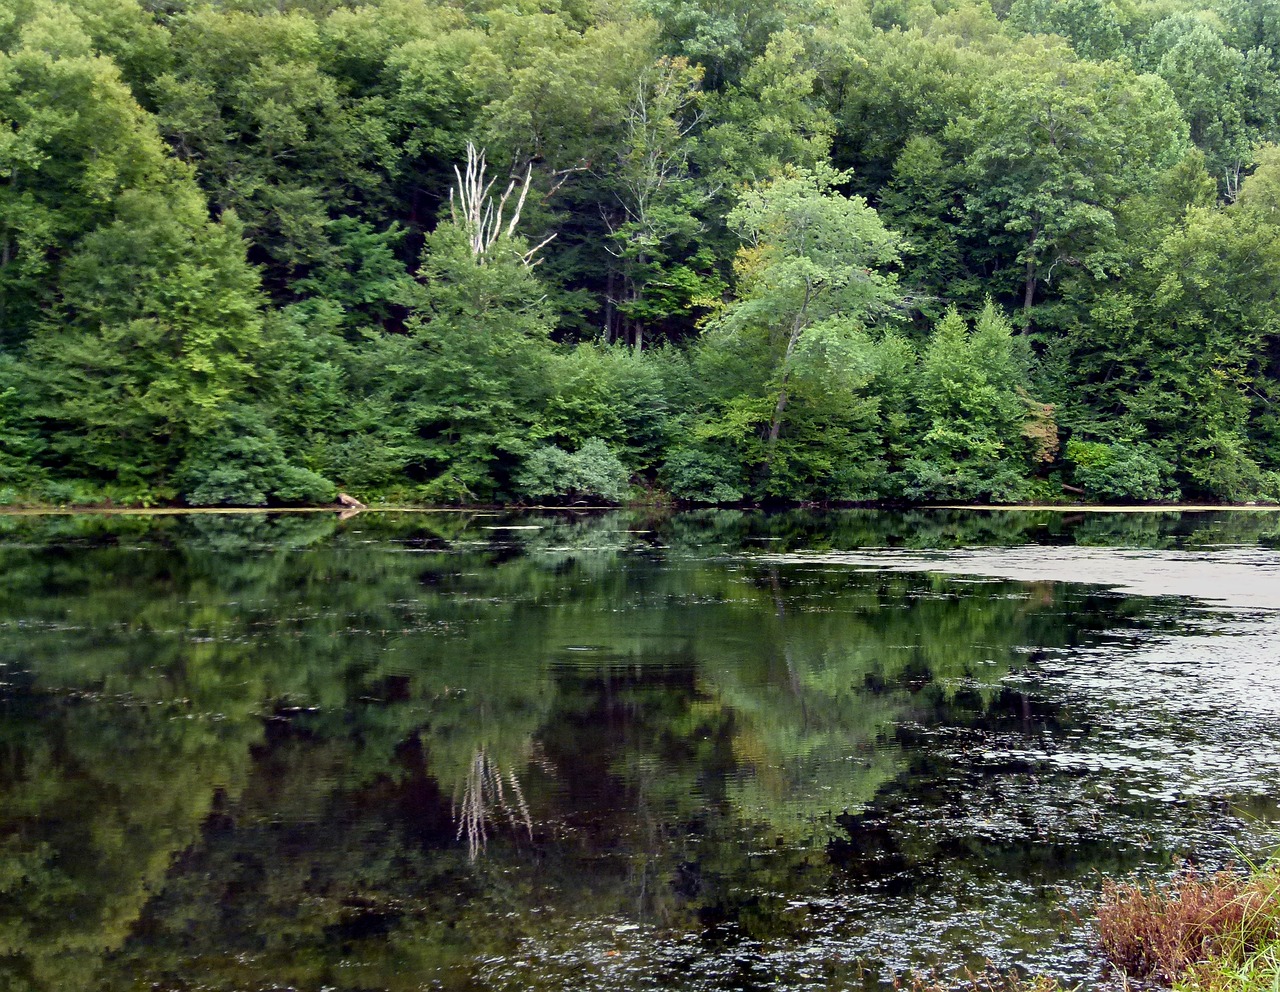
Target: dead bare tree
{"type": "Point", "coordinates": [473, 207]}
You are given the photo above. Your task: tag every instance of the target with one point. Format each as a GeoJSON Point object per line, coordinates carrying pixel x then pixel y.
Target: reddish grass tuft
{"type": "Point", "coordinates": [1166, 932]}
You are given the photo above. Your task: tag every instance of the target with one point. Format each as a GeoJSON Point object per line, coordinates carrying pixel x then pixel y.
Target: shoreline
{"type": "Point", "coordinates": [500, 509]}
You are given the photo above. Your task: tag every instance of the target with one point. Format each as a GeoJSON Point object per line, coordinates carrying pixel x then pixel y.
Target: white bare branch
{"type": "Point", "coordinates": [474, 208]}
{"type": "Point", "coordinates": [484, 797]}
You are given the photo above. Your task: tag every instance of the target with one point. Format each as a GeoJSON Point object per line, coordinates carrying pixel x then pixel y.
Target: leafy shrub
{"type": "Point", "coordinates": [591, 471]}
{"type": "Point", "coordinates": [977, 481]}
{"type": "Point", "coordinates": [615, 394]}
{"type": "Point", "coordinates": [703, 476]}
{"type": "Point", "coordinates": [1120, 471]}
{"type": "Point", "coordinates": [447, 488]}
{"type": "Point", "coordinates": [365, 462]}
{"type": "Point", "coordinates": [295, 484]}
{"type": "Point", "coordinates": [245, 465]}
{"type": "Point", "coordinates": [1269, 491]}
{"type": "Point", "coordinates": [1220, 466]}
{"type": "Point", "coordinates": [64, 492]}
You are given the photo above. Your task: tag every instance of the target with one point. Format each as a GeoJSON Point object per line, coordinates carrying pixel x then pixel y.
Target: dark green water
{"type": "Point", "coordinates": [709, 751]}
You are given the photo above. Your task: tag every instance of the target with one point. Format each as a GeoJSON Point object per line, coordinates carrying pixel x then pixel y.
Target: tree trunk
{"type": "Point", "coordinates": [609, 311]}
{"type": "Point", "coordinates": [775, 425]}
{"type": "Point", "coordinates": [798, 324]}
{"type": "Point", "coordinates": [1029, 296]}
{"type": "Point", "coordinates": [633, 297]}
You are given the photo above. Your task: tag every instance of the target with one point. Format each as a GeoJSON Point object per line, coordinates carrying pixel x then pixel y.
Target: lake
{"type": "Point", "coordinates": [706, 751]}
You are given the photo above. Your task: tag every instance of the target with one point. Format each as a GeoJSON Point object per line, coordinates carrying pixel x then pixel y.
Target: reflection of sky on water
{"type": "Point", "coordinates": [1240, 578]}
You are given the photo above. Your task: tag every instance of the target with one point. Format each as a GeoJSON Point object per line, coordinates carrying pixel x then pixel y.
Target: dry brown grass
{"type": "Point", "coordinates": [1169, 932]}
{"type": "Point", "coordinates": [990, 980]}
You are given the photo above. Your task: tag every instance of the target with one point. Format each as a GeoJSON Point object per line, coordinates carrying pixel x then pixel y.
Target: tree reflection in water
{"type": "Point", "coordinates": [250, 752]}
{"type": "Point", "coordinates": [484, 795]}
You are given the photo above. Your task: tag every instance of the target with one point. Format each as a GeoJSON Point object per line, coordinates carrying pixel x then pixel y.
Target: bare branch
{"type": "Point", "coordinates": [473, 207]}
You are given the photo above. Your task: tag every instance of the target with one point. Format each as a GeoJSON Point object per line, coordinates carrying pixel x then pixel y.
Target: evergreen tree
{"type": "Point", "coordinates": [154, 340]}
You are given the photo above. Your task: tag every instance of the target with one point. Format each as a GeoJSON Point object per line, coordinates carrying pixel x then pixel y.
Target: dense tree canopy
{"type": "Point", "coordinates": [798, 250]}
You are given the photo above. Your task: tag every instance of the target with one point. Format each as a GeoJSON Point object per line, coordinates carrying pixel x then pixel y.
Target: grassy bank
{"type": "Point", "coordinates": [1217, 933]}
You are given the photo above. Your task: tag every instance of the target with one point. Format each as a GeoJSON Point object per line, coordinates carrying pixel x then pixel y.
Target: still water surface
{"type": "Point", "coordinates": [716, 751]}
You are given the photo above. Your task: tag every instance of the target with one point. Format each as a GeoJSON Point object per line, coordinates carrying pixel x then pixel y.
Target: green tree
{"type": "Point", "coordinates": [72, 141]}
{"type": "Point", "coordinates": [20, 442]}
{"type": "Point", "coordinates": [654, 229]}
{"type": "Point", "coordinates": [272, 134]}
{"type": "Point", "coordinates": [722, 35]}
{"type": "Point", "coordinates": [470, 378]}
{"type": "Point", "coordinates": [1208, 79]}
{"type": "Point", "coordinates": [154, 339]}
{"type": "Point", "coordinates": [1049, 148]}
{"type": "Point", "coordinates": [973, 406]}
{"type": "Point", "coordinates": [1094, 27]}
{"type": "Point", "coordinates": [811, 277]}
{"type": "Point", "coordinates": [1179, 356]}
{"type": "Point", "coordinates": [771, 120]}
{"type": "Point", "coordinates": [923, 200]}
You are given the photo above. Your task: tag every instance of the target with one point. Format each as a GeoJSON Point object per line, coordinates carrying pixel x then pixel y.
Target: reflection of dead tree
{"type": "Point", "coordinates": [484, 798]}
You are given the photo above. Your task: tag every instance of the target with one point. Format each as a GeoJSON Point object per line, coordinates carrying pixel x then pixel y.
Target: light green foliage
{"type": "Point", "coordinates": [1208, 78]}
{"type": "Point", "coordinates": [1123, 472]}
{"type": "Point", "coordinates": [810, 280]}
{"type": "Point", "coordinates": [901, 86]}
{"type": "Point", "coordinates": [591, 472]}
{"type": "Point", "coordinates": [971, 445]}
{"type": "Point", "coordinates": [811, 255]}
{"type": "Point", "coordinates": [1251, 24]}
{"type": "Point", "coordinates": [72, 141]}
{"type": "Point", "coordinates": [557, 95]}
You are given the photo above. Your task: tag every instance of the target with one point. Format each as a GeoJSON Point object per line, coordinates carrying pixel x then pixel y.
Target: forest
{"type": "Point", "coordinates": [254, 252]}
